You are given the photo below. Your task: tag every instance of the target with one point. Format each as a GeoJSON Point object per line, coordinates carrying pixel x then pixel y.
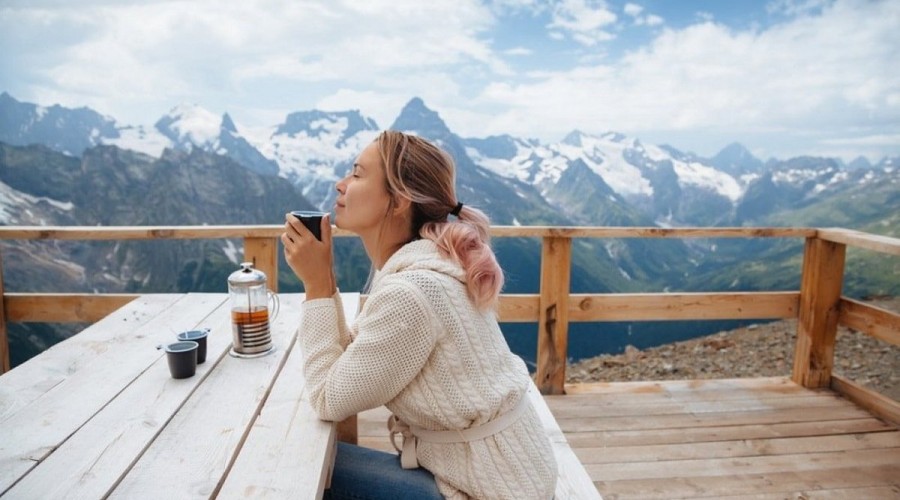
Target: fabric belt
{"type": "Point", "coordinates": [411, 433]}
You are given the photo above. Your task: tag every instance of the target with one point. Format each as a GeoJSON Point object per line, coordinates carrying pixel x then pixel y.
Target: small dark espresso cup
{"type": "Point", "coordinates": [198, 336]}
{"type": "Point", "coordinates": [182, 358]}
{"type": "Point", "coordinates": [312, 220]}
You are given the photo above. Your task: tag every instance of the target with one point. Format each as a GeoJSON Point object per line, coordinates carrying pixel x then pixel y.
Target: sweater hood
{"type": "Point", "coordinates": [421, 255]}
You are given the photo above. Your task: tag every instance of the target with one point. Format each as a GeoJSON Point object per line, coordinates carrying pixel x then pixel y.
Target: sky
{"type": "Point", "coordinates": [783, 77]}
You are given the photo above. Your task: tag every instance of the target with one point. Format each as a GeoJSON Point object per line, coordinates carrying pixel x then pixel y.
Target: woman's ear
{"type": "Point", "coordinates": [402, 205]}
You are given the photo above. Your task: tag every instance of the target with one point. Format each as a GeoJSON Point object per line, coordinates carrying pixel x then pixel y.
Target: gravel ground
{"type": "Point", "coordinates": [762, 350]}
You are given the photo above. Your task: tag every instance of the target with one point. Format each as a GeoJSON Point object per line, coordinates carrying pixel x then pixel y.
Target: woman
{"type": "Point", "coordinates": [426, 344]}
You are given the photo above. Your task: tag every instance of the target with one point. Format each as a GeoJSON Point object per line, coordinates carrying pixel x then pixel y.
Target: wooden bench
{"type": "Point", "coordinates": [573, 481]}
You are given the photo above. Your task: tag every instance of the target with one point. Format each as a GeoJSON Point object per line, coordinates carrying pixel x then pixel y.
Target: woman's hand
{"type": "Point", "coordinates": [310, 259]}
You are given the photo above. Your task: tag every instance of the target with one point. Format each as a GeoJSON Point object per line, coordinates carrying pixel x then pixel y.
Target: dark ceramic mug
{"type": "Point", "coordinates": [312, 220]}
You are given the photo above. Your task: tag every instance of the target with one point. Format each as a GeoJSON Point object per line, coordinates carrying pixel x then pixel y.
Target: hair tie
{"type": "Point", "coordinates": [456, 209]}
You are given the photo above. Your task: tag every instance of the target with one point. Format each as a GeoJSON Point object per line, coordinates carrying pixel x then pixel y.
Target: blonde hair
{"type": "Point", "coordinates": [421, 172]}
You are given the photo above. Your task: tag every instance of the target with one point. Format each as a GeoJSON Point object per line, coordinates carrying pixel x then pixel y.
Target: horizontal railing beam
{"type": "Point", "coordinates": [514, 308]}
{"type": "Point", "coordinates": [609, 307]}
{"type": "Point", "coordinates": [62, 307]}
{"type": "Point", "coordinates": [870, 400]}
{"type": "Point", "coordinates": [651, 232]}
{"type": "Point", "coordinates": [871, 320]}
{"type": "Point", "coordinates": [683, 306]}
{"type": "Point", "coordinates": [874, 242]}
{"type": "Point", "coordinates": [274, 231]}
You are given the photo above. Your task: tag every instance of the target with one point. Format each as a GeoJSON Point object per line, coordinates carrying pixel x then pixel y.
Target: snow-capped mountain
{"type": "Point", "coordinates": [312, 149]}
{"type": "Point", "coordinates": [803, 180]}
{"type": "Point", "coordinates": [663, 183]}
{"type": "Point", "coordinates": [72, 131]}
{"type": "Point", "coordinates": [190, 126]}
{"type": "Point", "coordinates": [737, 161]}
{"type": "Point", "coordinates": [66, 130]}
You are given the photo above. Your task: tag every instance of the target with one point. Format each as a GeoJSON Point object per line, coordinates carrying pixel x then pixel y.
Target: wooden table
{"type": "Point", "coordinates": [99, 415]}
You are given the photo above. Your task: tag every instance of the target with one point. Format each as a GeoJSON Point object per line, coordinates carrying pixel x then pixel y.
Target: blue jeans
{"type": "Point", "coordinates": [363, 473]}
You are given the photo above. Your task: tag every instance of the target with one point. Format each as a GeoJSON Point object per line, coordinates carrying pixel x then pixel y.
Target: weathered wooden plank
{"type": "Point", "coordinates": [93, 460]}
{"type": "Point", "coordinates": [519, 308]}
{"type": "Point", "coordinates": [139, 232]}
{"type": "Point", "coordinates": [876, 242]}
{"type": "Point", "coordinates": [208, 430]}
{"type": "Point", "coordinates": [644, 402]}
{"type": "Point", "coordinates": [725, 432]}
{"type": "Point", "coordinates": [866, 492]}
{"type": "Point", "coordinates": [286, 437]}
{"type": "Point", "coordinates": [63, 307]}
{"type": "Point", "coordinates": [784, 483]}
{"type": "Point", "coordinates": [35, 377]}
{"type": "Point", "coordinates": [514, 308]}
{"type": "Point", "coordinates": [709, 419]}
{"type": "Point", "coordinates": [649, 408]}
{"type": "Point", "coordinates": [820, 293]}
{"type": "Point", "coordinates": [878, 404]}
{"type": "Point", "coordinates": [683, 306]}
{"type": "Point", "coordinates": [651, 232]}
{"type": "Point", "coordinates": [553, 324]}
{"type": "Point", "coordinates": [738, 448]}
{"type": "Point", "coordinates": [700, 467]}
{"type": "Point", "coordinates": [875, 321]}
{"type": "Point", "coordinates": [524, 308]}
{"type": "Point", "coordinates": [76, 400]}
{"type": "Point", "coordinates": [736, 388]}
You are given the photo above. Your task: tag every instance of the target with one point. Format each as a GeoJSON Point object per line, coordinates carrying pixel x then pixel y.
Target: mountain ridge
{"type": "Point", "coordinates": [312, 148]}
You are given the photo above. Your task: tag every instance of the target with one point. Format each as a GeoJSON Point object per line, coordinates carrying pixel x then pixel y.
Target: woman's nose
{"type": "Point", "coordinates": [339, 186]}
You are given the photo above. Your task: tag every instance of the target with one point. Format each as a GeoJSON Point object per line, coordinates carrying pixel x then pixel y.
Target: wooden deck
{"type": "Point", "coordinates": [735, 438]}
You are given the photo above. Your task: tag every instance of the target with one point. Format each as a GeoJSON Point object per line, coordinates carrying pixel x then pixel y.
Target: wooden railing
{"type": "Point", "coordinates": [818, 304]}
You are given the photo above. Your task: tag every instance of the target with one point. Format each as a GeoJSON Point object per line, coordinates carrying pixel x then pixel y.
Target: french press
{"type": "Point", "coordinates": [250, 316]}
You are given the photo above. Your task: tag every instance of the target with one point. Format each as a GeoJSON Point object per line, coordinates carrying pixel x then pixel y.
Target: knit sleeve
{"type": "Point", "coordinates": [343, 330]}
{"type": "Point", "coordinates": [395, 336]}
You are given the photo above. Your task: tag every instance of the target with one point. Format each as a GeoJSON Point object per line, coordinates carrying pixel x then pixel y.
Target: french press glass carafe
{"type": "Point", "coordinates": [250, 315]}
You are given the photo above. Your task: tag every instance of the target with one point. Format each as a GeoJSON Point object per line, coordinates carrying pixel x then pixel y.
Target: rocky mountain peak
{"type": "Point", "coordinates": [228, 124]}
{"type": "Point", "coordinates": [417, 117]}
{"type": "Point", "coordinates": [736, 160]}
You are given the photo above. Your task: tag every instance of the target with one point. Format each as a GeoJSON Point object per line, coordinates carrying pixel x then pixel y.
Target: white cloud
{"type": "Point", "coordinates": [822, 76]}
{"type": "Point", "coordinates": [632, 9]}
{"type": "Point", "coordinates": [824, 73]}
{"type": "Point", "coordinates": [585, 20]}
{"type": "Point", "coordinates": [518, 51]}
{"type": "Point", "coordinates": [650, 20]}
{"type": "Point", "coordinates": [216, 50]}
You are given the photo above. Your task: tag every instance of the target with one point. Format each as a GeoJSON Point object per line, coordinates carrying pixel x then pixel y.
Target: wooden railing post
{"type": "Point", "coordinates": [262, 252]}
{"type": "Point", "coordinates": [820, 295]}
{"type": "Point", "coordinates": [553, 324]}
{"type": "Point", "coordinates": [4, 335]}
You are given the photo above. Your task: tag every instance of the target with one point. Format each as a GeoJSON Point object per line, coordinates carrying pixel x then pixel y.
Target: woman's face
{"type": "Point", "coordinates": [362, 200]}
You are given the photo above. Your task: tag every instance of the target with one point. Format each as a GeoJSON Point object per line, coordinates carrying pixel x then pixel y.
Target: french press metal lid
{"type": "Point", "coordinates": [247, 276]}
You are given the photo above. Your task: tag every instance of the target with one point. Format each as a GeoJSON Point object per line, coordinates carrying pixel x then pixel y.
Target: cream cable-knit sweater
{"type": "Point", "coordinates": [420, 348]}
